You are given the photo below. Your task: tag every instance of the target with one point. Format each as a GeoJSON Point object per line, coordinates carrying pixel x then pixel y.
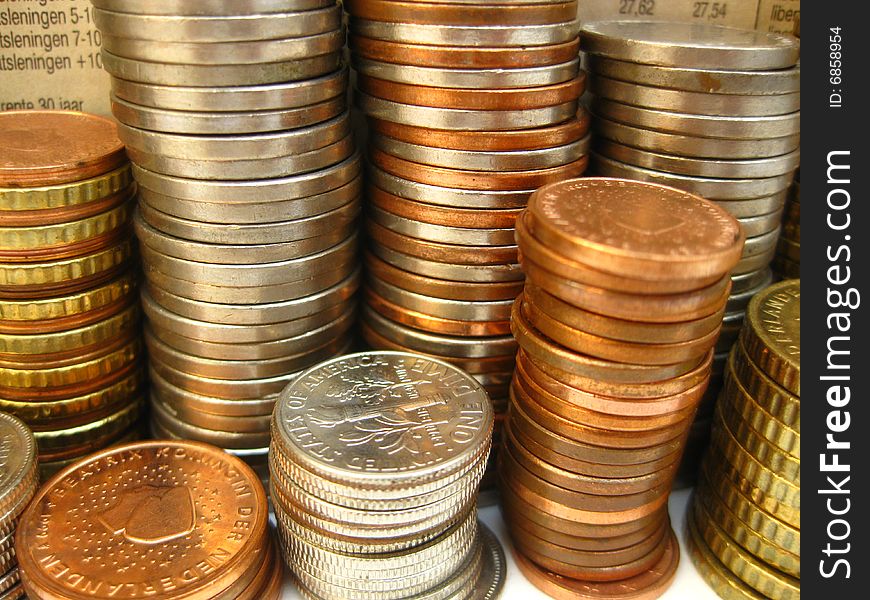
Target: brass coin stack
{"type": "Point", "coordinates": [235, 116]}
{"type": "Point", "coordinates": [18, 481]}
{"type": "Point", "coordinates": [471, 106]}
{"type": "Point", "coordinates": [376, 458]}
{"type": "Point", "coordinates": [711, 110]}
{"type": "Point", "coordinates": [70, 338]}
{"type": "Point", "coordinates": [744, 518]}
{"type": "Point", "coordinates": [787, 262]}
{"type": "Point", "coordinates": [156, 519]}
{"type": "Point", "coordinates": [626, 284]}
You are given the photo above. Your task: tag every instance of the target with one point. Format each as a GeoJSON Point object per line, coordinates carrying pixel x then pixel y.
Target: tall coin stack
{"type": "Point", "coordinates": [376, 458]}
{"type": "Point", "coordinates": [626, 284]}
{"type": "Point", "coordinates": [711, 110]}
{"type": "Point", "coordinates": [235, 116]}
{"type": "Point", "coordinates": [471, 106]}
{"type": "Point", "coordinates": [744, 518]}
{"type": "Point", "coordinates": [787, 262]}
{"type": "Point", "coordinates": [70, 337]}
{"type": "Point", "coordinates": [18, 482]}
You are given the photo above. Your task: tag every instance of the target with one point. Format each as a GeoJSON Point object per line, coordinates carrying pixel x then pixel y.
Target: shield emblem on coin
{"type": "Point", "coordinates": [152, 514]}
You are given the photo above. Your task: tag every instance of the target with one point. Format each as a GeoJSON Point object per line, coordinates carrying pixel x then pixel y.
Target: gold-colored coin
{"type": "Point", "coordinates": [68, 194]}
{"type": "Point", "coordinates": [735, 399]}
{"type": "Point", "coordinates": [772, 337]}
{"type": "Point", "coordinates": [58, 440]}
{"type": "Point", "coordinates": [65, 271]}
{"type": "Point", "coordinates": [776, 400]}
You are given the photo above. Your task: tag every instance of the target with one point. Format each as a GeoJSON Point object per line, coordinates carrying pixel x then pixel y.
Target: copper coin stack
{"type": "Point", "coordinates": [625, 290]}
{"type": "Point", "coordinates": [156, 519]}
{"type": "Point", "coordinates": [471, 106]}
{"type": "Point", "coordinates": [787, 262]}
{"type": "Point", "coordinates": [70, 337]}
{"type": "Point", "coordinates": [376, 459]}
{"type": "Point", "coordinates": [235, 116]}
{"type": "Point", "coordinates": [744, 518]}
{"type": "Point", "coordinates": [711, 110]}
{"type": "Point", "coordinates": [18, 482]}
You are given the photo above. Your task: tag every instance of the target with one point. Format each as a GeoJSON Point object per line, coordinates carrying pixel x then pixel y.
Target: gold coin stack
{"type": "Point", "coordinates": [787, 262]}
{"type": "Point", "coordinates": [744, 518]}
{"type": "Point", "coordinates": [18, 482]}
{"type": "Point", "coordinates": [70, 338]}
{"type": "Point", "coordinates": [720, 118]}
{"type": "Point", "coordinates": [155, 519]}
{"type": "Point", "coordinates": [376, 459]}
{"type": "Point", "coordinates": [235, 117]}
{"type": "Point", "coordinates": [626, 284]}
{"type": "Point", "coordinates": [471, 106]}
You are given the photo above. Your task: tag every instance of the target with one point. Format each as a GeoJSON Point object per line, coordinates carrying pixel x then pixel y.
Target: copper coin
{"type": "Point", "coordinates": [64, 214]}
{"type": "Point", "coordinates": [460, 310]}
{"type": "Point", "coordinates": [458, 236]}
{"type": "Point", "coordinates": [446, 253]}
{"type": "Point", "coordinates": [440, 288]}
{"type": "Point", "coordinates": [441, 215]}
{"type": "Point", "coordinates": [648, 585]}
{"type": "Point", "coordinates": [73, 321]}
{"type": "Point", "coordinates": [474, 99]}
{"type": "Point", "coordinates": [491, 141]}
{"type": "Point", "coordinates": [621, 329]}
{"type": "Point", "coordinates": [54, 147]}
{"type": "Point", "coordinates": [640, 230]}
{"type": "Point", "coordinates": [393, 11]}
{"type": "Point", "coordinates": [457, 57]}
{"type": "Point", "coordinates": [476, 180]}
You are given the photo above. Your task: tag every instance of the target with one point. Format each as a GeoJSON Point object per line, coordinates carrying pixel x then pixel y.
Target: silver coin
{"type": "Point", "coordinates": [755, 206]}
{"type": "Point", "coordinates": [206, 404]}
{"type": "Point", "coordinates": [689, 45]}
{"type": "Point", "coordinates": [207, 8]}
{"type": "Point", "coordinates": [254, 98]}
{"type": "Point", "coordinates": [397, 394]}
{"type": "Point", "coordinates": [162, 414]}
{"type": "Point", "coordinates": [740, 301]}
{"type": "Point", "coordinates": [219, 75]}
{"type": "Point", "coordinates": [228, 389]}
{"type": "Point", "coordinates": [226, 53]}
{"type": "Point", "coordinates": [712, 189]}
{"type": "Point", "coordinates": [268, 26]}
{"type": "Point", "coordinates": [254, 315]}
{"type": "Point", "coordinates": [746, 281]}
{"type": "Point", "coordinates": [700, 167]}
{"type": "Point", "coordinates": [729, 127]}
{"type": "Point", "coordinates": [491, 580]}
{"type": "Point", "coordinates": [463, 120]}
{"type": "Point", "coordinates": [441, 233]}
{"type": "Point", "coordinates": [251, 191]}
{"type": "Point", "coordinates": [748, 264]}
{"type": "Point", "coordinates": [451, 35]}
{"type": "Point", "coordinates": [714, 81]}
{"type": "Point", "coordinates": [18, 476]}
{"type": "Point", "coordinates": [442, 196]}
{"type": "Point", "coordinates": [457, 310]}
{"type": "Point", "coordinates": [235, 424]}
{"type": "Point", "coordinates": [760, 224]}
{"type": "Point", "coordinates": [447, 271]}
{"type": "Point", "coordinates": [760, 244]}
{"type": "Point", "coordinates": [727, 105]}
{"type": "Point", "coordinates": [339, 219]}
{"type": "Point", "coordinates": [240, 169]}
{"type": "Point", "coordinates": [528, 77]}
{"type": "Point", "coordinates": [524, 160]}
{"type": "Point", "coordinates": [225, 123]}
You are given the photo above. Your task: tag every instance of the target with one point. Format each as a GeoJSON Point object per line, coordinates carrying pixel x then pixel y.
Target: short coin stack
{"type": "Point", "coordinates": [235, 116]}
{"type": "Point", "coordinates": [625, 290]}
{"type": "Point", "coordinates": [376, 458]}
{"type": "Point", "coordinates": [787, 262]}
{"type": "Point", "coordinates": [711, 110]}
{"type": "Point", "coordinates": [744, 519]}
{"type": "Point", "coordinates": [18, 483]}
{"type": "Point", "coordinates": [70, 337]}
{"type": "Point", "coordinates": [155, 519]}
{"type": "Point", "coordinates": [471, 106]}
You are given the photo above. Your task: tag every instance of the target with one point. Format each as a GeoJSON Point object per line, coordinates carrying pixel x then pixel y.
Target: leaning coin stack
{"type": "Point", "coordinates": [150, 519]}
{"type": "Point", "coordinates": [744, 519]}
{"type": "Point", "coordinates": [376, 458]}
{"type": "Point", "coordinates": [707, 109]}
{"type": "Point", "coordinates": [235, 116]}
{"type": "Point", "coordinates": [626, 284]}
{"type": "Point", "coordinates": [471, 106]}
{"type": "Point", "coordinates": [787, 262]}
{"type": "Point", "coordinates": [18, 482]}
{"type": "Point", "coordinates": [70, 338]}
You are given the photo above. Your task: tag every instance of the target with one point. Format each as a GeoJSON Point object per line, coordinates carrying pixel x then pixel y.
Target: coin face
{"type": "Point", "coordinates": [383, 417]}
{"type": "Point", "coordinates": [152, 519]}
{"type": "Point", "coordinates": [17, 456]}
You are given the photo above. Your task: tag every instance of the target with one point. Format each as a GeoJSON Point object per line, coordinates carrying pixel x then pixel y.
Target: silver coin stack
{"type": "Point", "coordinates": [235, 117]}
{"type": "Point", "coordinates": [711, 110]}
{"type": "Point", "coordinates": [787, 262]}
{"type": "Point", "coordinates": [471, 106]}
{"type": "Point", "coordinates": [376, 459]}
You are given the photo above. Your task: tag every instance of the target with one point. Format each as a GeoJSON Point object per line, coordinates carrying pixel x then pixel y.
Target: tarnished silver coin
{"type": "Point", "coordinates": [453, 35]}
{"type": "Point", "coordinates": [448, 271]}
{"type": "Point", "coordinates": [209, 8]}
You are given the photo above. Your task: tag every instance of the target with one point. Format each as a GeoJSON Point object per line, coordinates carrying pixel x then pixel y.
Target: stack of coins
{"type": "Point", "coordinates": [626, 286]}
{"type": "Point", "coordinates": [471, 106]}
{"type": "Point", "coordinates": [70, 338]}
{"type": "Point", "coordinates": [156, 519]}
{"type": "Point", "coordinates": [787, 262]}
{"type": "Point", "coordinates": [711, 110]}
{"type": "Point", "coordinates": [744, 519]}
{"type": "Point", "coordinates": [376, 458]}
{"type": "Point", "coordinates": [18, 482]}
{"type": "Point", "coordinates": [235, 116]}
